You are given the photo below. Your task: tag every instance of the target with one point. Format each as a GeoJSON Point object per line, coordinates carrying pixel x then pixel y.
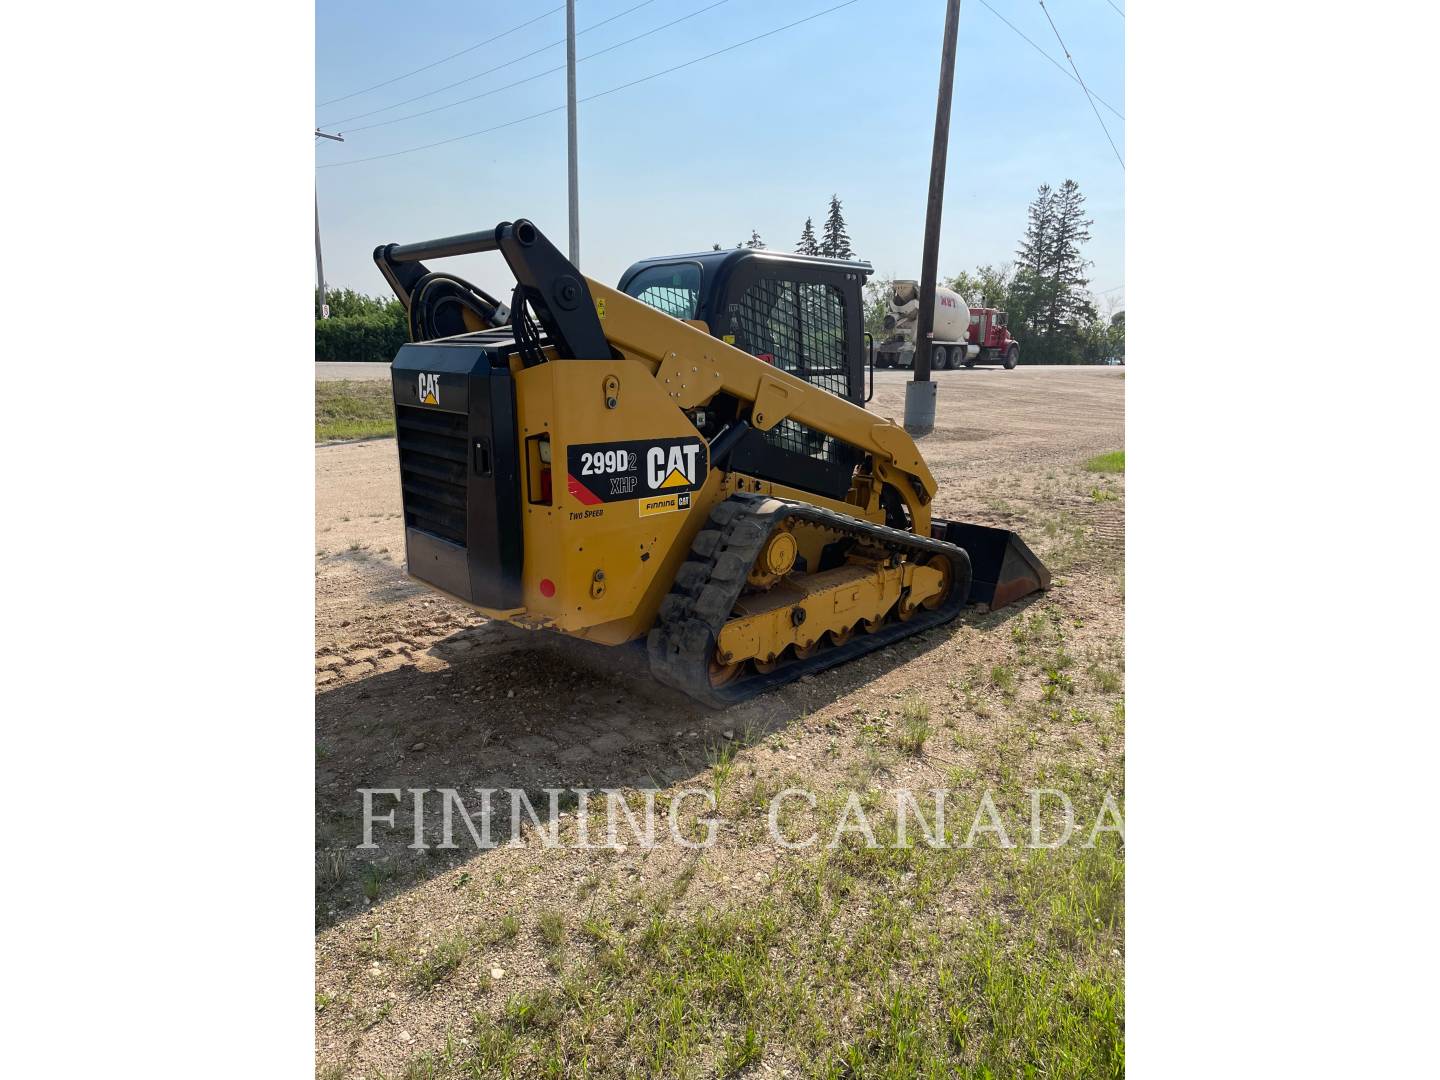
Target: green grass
{"type": "Point", "coordinates": [440, 962]}
{"type": "Point", "coordinates": [1003, 678]}
{"type": "Point", "coordinates": [552, 927]}
{"type": "Point", "coordinates": [1113, 462]}
{"type": "Point", "coordinates": [855, 962]}
{"type": "Point", "coordinates": [914, 725]}
{"type": "Point", "coordinates": [373, 877]}
{"type": "Point", "coordinates": [506, 930]}
{"type": "Point", "coordinates": [720, 756]}
{"type": "Point", "coordinates": [1106, 680]}
{"type": "Point", "coordinates": [1028, 982]}
{"type": "Point", "coordinates": [351, 409]}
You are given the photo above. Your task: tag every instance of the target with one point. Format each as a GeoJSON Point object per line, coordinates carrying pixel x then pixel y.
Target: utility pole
{"type": "Point", "coordinates": [319, 262]}
{"type": "Point", "coordinates": [920, 394]}
{"type": "Point", "coordinates": [570, 114]}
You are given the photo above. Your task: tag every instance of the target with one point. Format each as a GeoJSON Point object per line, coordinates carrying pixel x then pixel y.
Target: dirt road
{"type": "Point", "coordinates": [416, 691]}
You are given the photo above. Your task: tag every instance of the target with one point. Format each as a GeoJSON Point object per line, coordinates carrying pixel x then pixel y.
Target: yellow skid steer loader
{"type": "Point", "coordinates": [686, 459]}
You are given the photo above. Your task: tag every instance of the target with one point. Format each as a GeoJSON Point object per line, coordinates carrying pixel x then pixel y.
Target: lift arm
{"type": "Point", "coordinates": [692, 367]}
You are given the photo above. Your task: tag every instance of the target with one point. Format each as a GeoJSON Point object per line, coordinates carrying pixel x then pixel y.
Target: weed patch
{"type": "Point", "coordinates": [914, 725]}
{"type": "Point", "coordinates": [441, 962]}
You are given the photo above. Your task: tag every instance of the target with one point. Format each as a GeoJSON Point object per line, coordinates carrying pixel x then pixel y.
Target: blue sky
{"type": "Point", "coordinates": [758, 137]}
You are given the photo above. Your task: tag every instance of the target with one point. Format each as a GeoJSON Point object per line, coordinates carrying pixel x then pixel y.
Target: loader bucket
{"type": "Point", "coordinates": [1005, 569]}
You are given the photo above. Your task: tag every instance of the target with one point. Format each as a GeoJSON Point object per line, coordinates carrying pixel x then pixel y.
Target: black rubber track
{"type": "Point", "coordinates": [709, 582]}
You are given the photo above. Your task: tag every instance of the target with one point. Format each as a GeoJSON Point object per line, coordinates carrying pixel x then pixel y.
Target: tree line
{"type": "Point", "coordinates": [833, 242]}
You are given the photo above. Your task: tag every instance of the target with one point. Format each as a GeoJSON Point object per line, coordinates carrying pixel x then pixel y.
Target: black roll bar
{"type": "Point", "coordinates": [555, 290]}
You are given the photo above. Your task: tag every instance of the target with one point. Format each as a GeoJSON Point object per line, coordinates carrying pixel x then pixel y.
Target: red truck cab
{"type": "Point", "coordinates": [988, 331]}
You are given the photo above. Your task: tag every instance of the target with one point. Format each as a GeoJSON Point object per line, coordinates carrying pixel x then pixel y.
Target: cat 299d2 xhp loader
{"type": "Point", "coordinates": [686, 459]}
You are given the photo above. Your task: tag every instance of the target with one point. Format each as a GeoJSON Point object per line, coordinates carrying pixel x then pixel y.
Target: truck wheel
{"type": "Point", "coordinates": [1012, 357]}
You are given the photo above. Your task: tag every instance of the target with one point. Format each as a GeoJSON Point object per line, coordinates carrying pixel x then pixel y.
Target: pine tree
{"type": "Point", "coordinates": [1068, 302]}
{"type": "Point", "coordinates": [807, 245]}
{"type": "Point", "coordinates": [1034, 257]}
{"type": "Point", "coordinates": [1034, 249]}
{"type": "Point", "coordinates": [836, 243]}
{"type": "Point", "coordinates": [1049, 287]}
{"type": "Point", "coordinates": [754, 241]}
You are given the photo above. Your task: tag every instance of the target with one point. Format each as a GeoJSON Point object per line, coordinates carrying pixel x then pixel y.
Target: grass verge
{"type": "Point", "coordinates": [353, 409]}
{"type": "Point", "coordinates": [1113, 462]}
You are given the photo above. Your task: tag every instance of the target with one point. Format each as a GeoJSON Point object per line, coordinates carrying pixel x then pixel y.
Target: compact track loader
{"type": "Point", "coordinates": [685, 459]}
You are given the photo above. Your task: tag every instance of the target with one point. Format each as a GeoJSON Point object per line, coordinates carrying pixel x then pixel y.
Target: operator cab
{"type": "Point", "coordinates": [803, 314]}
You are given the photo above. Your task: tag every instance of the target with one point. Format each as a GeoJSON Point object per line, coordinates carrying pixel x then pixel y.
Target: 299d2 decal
{"type": "Point", "coordinates": [640, 469]}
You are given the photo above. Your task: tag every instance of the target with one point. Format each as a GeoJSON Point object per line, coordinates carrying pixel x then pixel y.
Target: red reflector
{"type": "Point", "coordinates": [545, 490]}
{"type": "Point", "coordinates": [547, 588]}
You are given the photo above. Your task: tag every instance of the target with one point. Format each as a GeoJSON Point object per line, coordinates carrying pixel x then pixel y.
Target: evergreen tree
{"type": "Point", "coordinates": [807, 245]}
{"type": "Point", "coordinates": [1033, 258]}
{"type": "Point", "coordinates": [754, 241]}
{"type": "Point", "coordinates": [1071, 228]}
{"type": "Point", "coordinates": [1034, 249]}
{"type": "Point", "coordinates": [836, 243]}
{"type": "Point", "coordinates": [1048, 296]}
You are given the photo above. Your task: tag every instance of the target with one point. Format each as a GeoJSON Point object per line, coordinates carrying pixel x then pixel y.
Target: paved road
{"type": "Point", "coordinates": [883, 377]}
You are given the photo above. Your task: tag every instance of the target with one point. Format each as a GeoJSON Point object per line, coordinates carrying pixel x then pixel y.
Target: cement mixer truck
{"type": "Point", "coordinates": [964, 336]}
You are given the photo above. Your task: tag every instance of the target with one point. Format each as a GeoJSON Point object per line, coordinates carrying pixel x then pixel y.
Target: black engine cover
{"type": "Point", "coordinates": [460, 467]}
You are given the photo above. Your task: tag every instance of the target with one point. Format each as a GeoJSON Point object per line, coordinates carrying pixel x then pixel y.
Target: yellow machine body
{"type": "Point", "coordinates": [615, 472]}
{"type": "Point", "coordinates": [611, 564]}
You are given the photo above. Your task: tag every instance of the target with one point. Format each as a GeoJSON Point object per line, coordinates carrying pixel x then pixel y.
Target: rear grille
{"type": "Point", "coordinates": [434, 452]}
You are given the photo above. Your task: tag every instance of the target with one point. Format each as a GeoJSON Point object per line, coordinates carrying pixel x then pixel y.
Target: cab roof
{"type": "Point", "coordinates": [720, 263]}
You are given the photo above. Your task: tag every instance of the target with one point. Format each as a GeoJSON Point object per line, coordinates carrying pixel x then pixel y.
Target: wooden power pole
{"type": "Point", "coordinates": [920, 393]}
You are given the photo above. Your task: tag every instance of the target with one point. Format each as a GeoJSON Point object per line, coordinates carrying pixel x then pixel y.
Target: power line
{"type": "Point", "coordinates": [442, 60]}
{"type": "Point", "coordinates": [537, 75]}
{"type": "Point", "coordinates": [592, 97]}
{"type": "Point", "coordinates": [1047, 56]}
{"type": "Point", "coordinates": [488, 71]}
{"type": "Point", "coordinates": [1117, 10]}
{"type": "Point", "coordinates": [1082, 84]}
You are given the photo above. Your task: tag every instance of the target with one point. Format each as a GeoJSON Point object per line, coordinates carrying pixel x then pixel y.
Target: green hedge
{"type": "Point", "coordinates": [360, 338]}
